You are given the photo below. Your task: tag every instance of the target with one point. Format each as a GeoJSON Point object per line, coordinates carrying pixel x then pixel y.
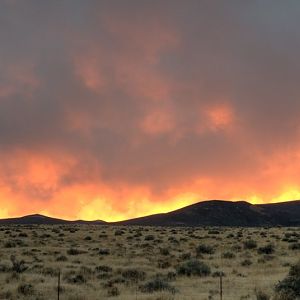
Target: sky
{"type": "Point", "coordinates": [117, 109]}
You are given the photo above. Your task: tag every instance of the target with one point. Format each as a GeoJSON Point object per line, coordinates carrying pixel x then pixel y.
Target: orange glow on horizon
{"type": "Point", "coordinates": [57, 185]}
{"type": "Point", "coordinates": [89, 202]}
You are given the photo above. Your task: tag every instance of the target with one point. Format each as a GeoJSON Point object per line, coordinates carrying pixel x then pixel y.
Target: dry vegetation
{"type": "Point", "coordinates": [102, 262]}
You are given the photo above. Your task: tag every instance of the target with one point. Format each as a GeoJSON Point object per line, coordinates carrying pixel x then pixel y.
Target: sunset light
{"type": "Point", "coordinates": [114, 110]}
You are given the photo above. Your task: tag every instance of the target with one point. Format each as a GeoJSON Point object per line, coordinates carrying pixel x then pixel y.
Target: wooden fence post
{"type": "Point", "coordinates": [221, 286]}
{"type": "Point", "coordinates": [136, 289]}
{"type": "Point", "coordinates": [58, 285]}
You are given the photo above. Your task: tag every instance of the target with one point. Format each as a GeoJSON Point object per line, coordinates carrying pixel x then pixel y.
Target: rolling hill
{"type": "Point", "coordinates": [44, 220]}
{"type": "Point", "coordinates": [206, 213]}
{"type": "Point", "coordinates": [226, 213]}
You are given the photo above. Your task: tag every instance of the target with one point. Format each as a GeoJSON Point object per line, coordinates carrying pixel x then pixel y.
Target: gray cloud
{"type": "Point", "coordinates": [151, 93]}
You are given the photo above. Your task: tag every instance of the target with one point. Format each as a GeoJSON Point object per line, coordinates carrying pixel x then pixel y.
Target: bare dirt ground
{"type": "Point", "coordinates": [105, 262]}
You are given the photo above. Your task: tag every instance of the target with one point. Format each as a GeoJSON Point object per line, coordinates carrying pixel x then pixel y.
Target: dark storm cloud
{"type": "Point", "coordinates": [150, 93]}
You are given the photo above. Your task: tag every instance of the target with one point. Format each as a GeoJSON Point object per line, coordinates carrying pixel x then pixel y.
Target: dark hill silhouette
{"type": "Point", "coordinates": [44, 220]}
{"type": "Point", "coordinates": [206, 213]}
{"type": "Point", "coordinates": [225, 213]}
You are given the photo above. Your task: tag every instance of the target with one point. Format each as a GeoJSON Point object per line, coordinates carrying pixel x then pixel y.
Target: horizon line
{"type": "Point", "coordinates": [123, 220]}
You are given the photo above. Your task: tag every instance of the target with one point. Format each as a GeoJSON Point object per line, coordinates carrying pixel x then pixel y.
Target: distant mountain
{"type": "Point", "coordinates": [225, 213]}
{"type": "Point", "coordinates": [43, 220]}
{"type": "Point", "coordinates": [206, 213]}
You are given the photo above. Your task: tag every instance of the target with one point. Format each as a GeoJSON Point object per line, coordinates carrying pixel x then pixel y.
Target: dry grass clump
{"type": "Point", "coordinates": [289, 287]}
{"type": "Point", "coordinates": [228, 255]}
{"type": "Point", "coordinates": [193, 268]}
{"type": "Point", "coordinates": [157, 285]}
{"type": "Point", "coordinates": [268, 249]}
{"type": "Point", "coordinates": [26, 289]}
{"type": "Point", "coordinates": [250, 244]}
{"type": "Point", "coordinates": [18, 266]}
{"type": "Point", "coordinates": [204, 249]}
{"type": "Point", "coordinates": [74, 251]}
{"type": "Point", "coordinates": [261, 295]}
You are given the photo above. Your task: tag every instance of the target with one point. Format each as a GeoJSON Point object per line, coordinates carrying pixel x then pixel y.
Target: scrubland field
{"type": "Point", "coordinates": [106, 262]}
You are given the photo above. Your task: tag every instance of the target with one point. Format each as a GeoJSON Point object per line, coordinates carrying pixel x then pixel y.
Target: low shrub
{"type": "Point", "coordinates": [246, 263]}
{"type": "Point", "coordinates": [4, 268]}
{"type": "Point", "coordinates": [294, 246]}
{"type": "Point", "coordinates": [104, 269]}
{"type": "Point", "coordinates": [119, 232]}
{"type": "Point", "coordinates": [164, 251]}
{"type": "Point", "coordinates": [185, 256]}
{"type": "Point", "coordinates": [149, 237]}
{"type": "Point", "coordinates": [193, 267]}
{"type": "Point", "coordinates": [204, 249]}
{"type": "Point", "coordinates": [268, 249]}
{"type": "Point", "coordinates": [74, 251]}
{"type": "Point", "coordinates": [289, 288]}
{"type": "Point", "coordinates": [133, 275]}
{"type": "Point", "coordinates": [61, 258]}
{"type": "Point", "coordinates": [218, 274]}
{"type": "Point", "coordinates": [250, 244]}
{"type": "Point", "coordinates": [113, 292]}
{"type": "Point", "coordinates": [228, 255]}
{"type": "Point", "coordinates": [74, 278]}
{"type": "Point", "coordinates": [18, 266]}
{"type": "Point", "coordinates": [25, 289]}
{"type": "Point", "coordinates": [103, 272]}
{"type": "Point", "coordinates": [10, 244]}
{"type": "Point", "coordinates": [260, 295]}
{"type": "Point", "coordinates": [156, 285]}
{"type": "Point", "coordinates": [104, 251]}
{"type": "Point", "coordinates": [163, 264]}
{"type": "Point", "coordinates": [23, 234]}
{"type": "Point", "coordinates": [49, 272]}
